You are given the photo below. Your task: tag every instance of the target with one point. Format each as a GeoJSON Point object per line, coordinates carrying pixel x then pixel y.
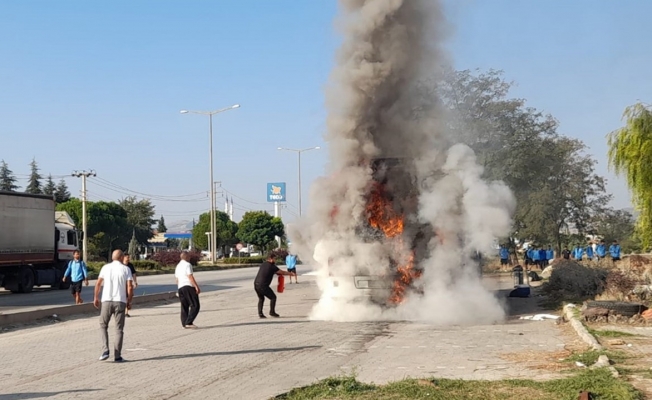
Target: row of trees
{"type": "Point", "coordinates": [551, 175]}
{"type": "Point", "coordinates": [256, 227]}
{"type": "Point", "coordinates": [9, 183]}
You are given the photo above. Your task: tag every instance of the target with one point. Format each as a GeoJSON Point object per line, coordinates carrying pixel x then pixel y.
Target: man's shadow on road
{"type": "Point", "coordinates": [253, 324]}
{"type": "Point", "coordinates": [227, 353]}
{"type": "Point", "coordinates": [38, 395]}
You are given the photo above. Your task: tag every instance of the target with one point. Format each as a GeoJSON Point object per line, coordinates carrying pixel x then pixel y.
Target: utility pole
{"type": "Point", "coordinates": [83, 175]}
{"type": "Point", "coordinates": [277, 214]}
{"type": "Point", "coordinates": [299, 151]}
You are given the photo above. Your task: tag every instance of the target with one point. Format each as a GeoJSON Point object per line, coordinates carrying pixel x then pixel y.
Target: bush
{"type": "Point", "coordinates": [95, 266]}
{"type": "Point", "coordinates": [146, 265]}
{"type": "Point", "coordinates": [572, 281]}
{"type": "Point", "coordinates": [172, 257]}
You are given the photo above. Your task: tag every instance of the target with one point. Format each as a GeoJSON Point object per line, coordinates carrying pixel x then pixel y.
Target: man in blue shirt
{"type": "Point", "coordinates": [543, 258]}
{"type": "Point", "coordinates": [578, 251]}
{"type": "Point", "coordinates": [535, 256]}
{"type": "Point", "coordinates": [589, 252]}
{"type": "Point", "coordinates": [601, 250]}
{"type": "Point", "coordinates": [78, 273]}
{"type": "Point", "coordinates": [291, 263]}
{"type": "Point", "coordinates": [614, 251]}
{"type": "Point", "coordinates": [550, 254]}
{"type": "Point", "coordinates": [504, 255]}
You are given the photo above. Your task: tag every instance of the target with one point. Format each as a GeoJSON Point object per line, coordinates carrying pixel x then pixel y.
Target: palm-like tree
{"type": "Point", "coordinates": [630, 154]}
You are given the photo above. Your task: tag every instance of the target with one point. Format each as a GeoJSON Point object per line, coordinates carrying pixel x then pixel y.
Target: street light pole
{"type": "Point", "coordinates": [83, 175]}
{"type": "Point", "coordinates": [299, 151]}
{"type": "Point", "coordinates": [213, 238]}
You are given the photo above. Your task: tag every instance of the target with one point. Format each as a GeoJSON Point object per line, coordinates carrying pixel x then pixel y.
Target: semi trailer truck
{"type": "Point", "coordinates": [36, 242]}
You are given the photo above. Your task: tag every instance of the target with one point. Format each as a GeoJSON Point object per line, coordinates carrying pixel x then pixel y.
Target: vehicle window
{"type": "Point", "coordinates": [72, 238]}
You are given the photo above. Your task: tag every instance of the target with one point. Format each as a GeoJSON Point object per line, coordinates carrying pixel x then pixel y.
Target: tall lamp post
{"type": "Point", "coordinates": [213, 236]}
{"type": "Point", "coordinates": [299, 151]}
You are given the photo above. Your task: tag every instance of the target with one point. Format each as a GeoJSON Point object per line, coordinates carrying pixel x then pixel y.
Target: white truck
{"type": "Point", "coordinates": [36, 242]}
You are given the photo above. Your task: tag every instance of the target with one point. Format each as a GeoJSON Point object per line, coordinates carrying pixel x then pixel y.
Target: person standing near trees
{"type": "Point", "coordinates": [291, 263]}
{"type": "Point", "coordinates": [127, 262]}
{"type": "Point", "coordinates": [188, 292]}
{"type": "Point", "coordinates": [566, 254]}
{"type": "Point", "coordinates": [614, 251]}
{"type": "Point", "coordinates": [589, 252]}
{"type": "Point", "coordinates": [601, 250]}
{"type": "Point", "coordinates": [262, 284]}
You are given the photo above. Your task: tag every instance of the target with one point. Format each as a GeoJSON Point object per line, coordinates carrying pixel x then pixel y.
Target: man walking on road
{"type": "Point", "coordinates": [126, 261]}
{"type": "Point", "coordinates": [291, 263]}
{"type": "Point", "coordinates": [116, 299]}
{"type": "Point", "coordinates": [78, 273]}
{"type": "Point", "coordinates": [262, 284]}
{"type": "Point", "coordinates": [188, 292]}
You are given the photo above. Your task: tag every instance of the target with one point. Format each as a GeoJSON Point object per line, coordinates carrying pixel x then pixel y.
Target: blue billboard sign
{"type": "Point", "coordinates": [276, 192]}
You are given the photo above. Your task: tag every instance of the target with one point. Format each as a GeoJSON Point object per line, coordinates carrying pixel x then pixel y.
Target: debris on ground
{"type": "Point", "coordinates": [573, 281]}
{"type": "Point", "coordinates": [539, 317]}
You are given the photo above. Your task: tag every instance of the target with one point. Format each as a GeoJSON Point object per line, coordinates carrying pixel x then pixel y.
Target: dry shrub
{"type": "Point", "coordinates": [572, 281]}
{"type": "Point", "coordinates": [619, 286]}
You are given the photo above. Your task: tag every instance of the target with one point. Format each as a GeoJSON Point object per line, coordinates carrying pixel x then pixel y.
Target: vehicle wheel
{"type": "Point", "coordinates": [618, 307]}
{"type": "Point", "coordinates": [11, 284]}
{"type": "Point", "coordinates": [25, 280]}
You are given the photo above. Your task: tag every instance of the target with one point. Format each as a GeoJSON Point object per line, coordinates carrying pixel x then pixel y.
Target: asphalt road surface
{"type": "Point", "coordinates": [209, 281]}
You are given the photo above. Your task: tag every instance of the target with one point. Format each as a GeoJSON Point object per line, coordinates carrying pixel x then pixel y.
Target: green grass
{"type": "Point", "coordinates": [590, 357]}
{"type": "Point", "coordinates": [609, 333]}
{"type": "Point", "coordinates": [600, 382]}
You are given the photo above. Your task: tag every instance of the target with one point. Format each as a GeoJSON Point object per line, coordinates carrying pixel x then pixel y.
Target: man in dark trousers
{"type": "Point", "coordinates": [126, 261]}
{"type": "Point", "coordinates": [188, 292]}
{"type": "Point", "coordinates": [262, 284]}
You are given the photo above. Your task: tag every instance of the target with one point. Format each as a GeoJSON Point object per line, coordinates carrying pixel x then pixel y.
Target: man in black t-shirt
{"type": "Point", "coordinates": [127, 262]}
{"type": "Point", "coordinates": [566, 253]}
{"type": "Point", "coordinates": [262, 284]}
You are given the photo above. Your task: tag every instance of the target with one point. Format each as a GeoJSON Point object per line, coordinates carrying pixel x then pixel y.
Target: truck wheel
{"type": "Point", "coordinates": [25, 280]}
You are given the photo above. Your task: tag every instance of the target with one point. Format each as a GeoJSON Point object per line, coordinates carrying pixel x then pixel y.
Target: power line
{"type": "Point", "coordinates": [147, 194]}
{"type": "Point", "coordinates": [94, 182]}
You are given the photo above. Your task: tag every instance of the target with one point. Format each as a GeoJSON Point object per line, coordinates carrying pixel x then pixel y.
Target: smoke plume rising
{"type": "Point", "coordinates": [403, 201]}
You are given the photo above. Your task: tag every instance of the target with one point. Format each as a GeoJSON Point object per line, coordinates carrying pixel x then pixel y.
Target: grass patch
{"type": "Point", "coordinates": [590, 357]}
{"type": "Point", "coordinates": [600, 382]}
{"type": "Point", "coordinates": [609, 333]}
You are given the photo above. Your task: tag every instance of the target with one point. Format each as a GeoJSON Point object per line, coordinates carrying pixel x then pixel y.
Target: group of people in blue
{"type": "Point", "coordinates": [538, 256]}
{"type": "Point", "coordinates": [600, 252]}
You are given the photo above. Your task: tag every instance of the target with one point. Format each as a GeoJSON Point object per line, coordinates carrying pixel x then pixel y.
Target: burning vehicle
{"type": "Point", "coordinates": [391, 226]}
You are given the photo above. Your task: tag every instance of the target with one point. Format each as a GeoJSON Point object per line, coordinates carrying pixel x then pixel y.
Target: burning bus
{"type": "Point", "coordinates": [389, 226]}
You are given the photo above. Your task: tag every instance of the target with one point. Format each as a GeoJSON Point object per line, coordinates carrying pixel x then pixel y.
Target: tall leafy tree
{"type": "Point", "coordinates": [161, 228]}
{"type": "Point", "coordinates": [225, 228]}
{"type": "Point", "coordinates": [133, 246]}
{"type": "Point", "coordinates": [61, 193]}
{"type": "Point", "coordinates": [50, 187]}
{"type": "Point", "coordinates": [630, 155]}
{"type": "Point", "coordinates": [140, 215]}
{"type": "Point", "coordinates": [7, 178]}
{"type": "Point", "coordinates": [259, 228]}
{"type": "Point", "coordinates": [34, 185]}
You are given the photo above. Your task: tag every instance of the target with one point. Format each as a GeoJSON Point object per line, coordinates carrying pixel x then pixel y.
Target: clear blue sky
{"type": "Point", "coordinates": [99, 85]}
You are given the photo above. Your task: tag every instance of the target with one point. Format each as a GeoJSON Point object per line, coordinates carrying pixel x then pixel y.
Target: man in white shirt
{"type": "Point", "coordinates": [188, 292]}
{"type": "Point", "coordinates": [116, 299]}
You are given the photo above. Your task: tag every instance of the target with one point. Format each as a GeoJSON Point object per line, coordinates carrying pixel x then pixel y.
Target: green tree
{"type": "Point", "coordinates": [133, 246]}
{"type": "Point", "coordinates": [49, 188]}
{"type": "Point", "coordinates": [161, 225]}
{"type": "Point", "coordinates": [140, 215]}
{"type": "Point", "coordinates": [552, 179]}
{"type": "Point", "coordinates": [7, 178]}
{"type": "Point", "coordinates": [618, 225]}
{"type": "Point", "coordinates": [225, 228]}
{"type": "Point", "coordinates": [630, 154]}
{"type": "Point", "coordinates": [107, 225]}
{"type": "Point", "coordinates": [61, 193]}
{"type": "Point", "coordinates": [34, 183]}
{"type": "Point", "coordinates": [259, 228]}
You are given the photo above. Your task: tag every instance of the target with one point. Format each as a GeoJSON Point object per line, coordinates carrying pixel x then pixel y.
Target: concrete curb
{"type": "Point", "coordinates": [62, 311]}
{"type": "Point", "coordinates": [583, 333]}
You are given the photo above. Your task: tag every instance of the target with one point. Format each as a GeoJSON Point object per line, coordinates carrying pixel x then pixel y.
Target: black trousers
{"type": "Point", "coordinates": [189, 305]}
{"type": "Point", "coordinates": [262, 292]}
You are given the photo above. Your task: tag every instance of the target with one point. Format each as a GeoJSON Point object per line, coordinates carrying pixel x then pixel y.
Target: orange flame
{"type": "Point", "coordinates": [381, 215]}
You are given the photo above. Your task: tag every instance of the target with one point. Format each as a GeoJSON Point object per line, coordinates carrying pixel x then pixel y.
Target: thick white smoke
{"type": "Point", "coordinates": [381, 133]}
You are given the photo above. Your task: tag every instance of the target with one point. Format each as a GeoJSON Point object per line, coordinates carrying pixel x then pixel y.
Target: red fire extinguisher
{"type": "Point", "coordinates": [281, 284]}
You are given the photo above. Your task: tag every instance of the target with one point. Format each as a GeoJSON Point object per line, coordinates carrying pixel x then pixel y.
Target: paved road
{"type": "Point", "coordinates": [209, 281]}
{"type": "Point", "coordinates": [234, 355]}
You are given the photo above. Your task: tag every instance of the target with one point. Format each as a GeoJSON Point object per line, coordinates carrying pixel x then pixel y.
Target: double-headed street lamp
{"type": "Point", "coordinates": [213, 236]}
{"type": "Point", "coordinates": [299, 151]}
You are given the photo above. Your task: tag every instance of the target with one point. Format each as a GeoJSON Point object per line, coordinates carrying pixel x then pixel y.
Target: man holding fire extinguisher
{"type": "Point", "coordinates": [262, 284]}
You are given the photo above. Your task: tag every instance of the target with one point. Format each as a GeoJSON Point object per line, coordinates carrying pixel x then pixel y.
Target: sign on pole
{"type": "Point", "coordinates": [276, 192]}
